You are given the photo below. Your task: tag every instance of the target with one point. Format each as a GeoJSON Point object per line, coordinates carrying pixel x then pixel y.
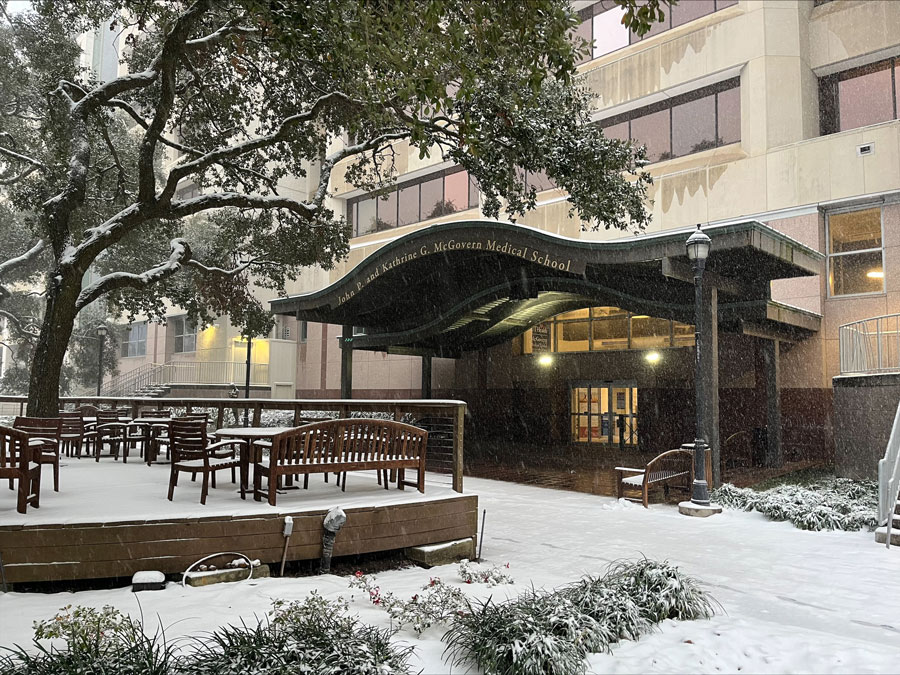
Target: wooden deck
{"type": "Point", "coordinates": [110, 520]}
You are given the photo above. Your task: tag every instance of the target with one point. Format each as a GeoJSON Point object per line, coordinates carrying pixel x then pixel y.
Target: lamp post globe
{"type": "Point", "coordinates": [698, 245]}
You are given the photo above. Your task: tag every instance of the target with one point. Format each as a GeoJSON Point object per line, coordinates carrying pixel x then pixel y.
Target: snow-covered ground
{"type": "Point", "coordinates": [794, 601]}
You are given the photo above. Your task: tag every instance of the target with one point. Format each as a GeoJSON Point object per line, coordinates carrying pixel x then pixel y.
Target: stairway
{"type": "Point", "coordinates": [881, 532]}
{"type": "Point", "coordinates": [153, 391]}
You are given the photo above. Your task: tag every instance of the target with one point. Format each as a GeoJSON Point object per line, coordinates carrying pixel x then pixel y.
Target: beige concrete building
{"type": "Point", "coordinates": [777, 111]}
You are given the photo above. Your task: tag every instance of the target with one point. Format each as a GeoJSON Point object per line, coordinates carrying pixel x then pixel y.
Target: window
{"type": "Point", "coordinates": [134, 341]}
{"type": "Point", "coordinates": [605, 329]}
{"type": "Point", "coordinates": [188, 192]}
{"type": "Point", "coordinates": [432, 196]}
{"type": "Point", "coordinates": [304, 329]}
{"type": "Point", "coordinates": [604, 412]}
{"type": "Point", "coordinates": [185, 334]}
{"type": "Point", "coordinates": [693, 122]}
{"type": "Point", "coordinates": [855, 252]}
{"type": "Point", "coordinates": [601, 23]}
{"type": "Point", "coordinates": [859, 97]}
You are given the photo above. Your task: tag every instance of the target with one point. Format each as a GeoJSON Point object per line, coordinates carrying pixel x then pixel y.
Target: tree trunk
{"type": "Point", "coordinates": [53, 341]}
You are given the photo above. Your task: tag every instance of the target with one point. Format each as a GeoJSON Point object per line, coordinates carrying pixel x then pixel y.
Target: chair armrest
{"type": "Point", "coordinates": [40, 440]}
{"type": "Point", "coordinates": [111, 425]}
{"type": "Point", "coordinates": [222, 444]}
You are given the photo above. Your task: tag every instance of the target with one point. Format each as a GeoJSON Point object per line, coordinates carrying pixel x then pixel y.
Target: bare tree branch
{"type": "Point", "coordinates": [230, 28]}
{"type": "Point", "coordinates": [19, 157]}
{"type": "Point", "coordinates": [12, 263]}
{"type": "Point", "coordinates": [25, 328]}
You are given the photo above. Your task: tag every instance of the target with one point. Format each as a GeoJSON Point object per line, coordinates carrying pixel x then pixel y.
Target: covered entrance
{"type": "Point", "coordinates": [462, 290]}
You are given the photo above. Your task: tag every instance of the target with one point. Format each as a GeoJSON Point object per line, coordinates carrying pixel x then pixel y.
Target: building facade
{"type": "Point", "coordinates": [778, 111]}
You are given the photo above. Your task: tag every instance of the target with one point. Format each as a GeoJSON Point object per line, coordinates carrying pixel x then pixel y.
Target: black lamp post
{"type": "Point", "coordinates": [102, 330]}
{"type": "Point", "coordinates": [697, 251]}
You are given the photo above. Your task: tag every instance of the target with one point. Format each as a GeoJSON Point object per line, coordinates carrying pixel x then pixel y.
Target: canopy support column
{"type": "Point", "coordinates": [426, 376]}
{"type": "Point", "coordinates": [347, 362]}
{"type": "Point", "coordinates": [770, 353]}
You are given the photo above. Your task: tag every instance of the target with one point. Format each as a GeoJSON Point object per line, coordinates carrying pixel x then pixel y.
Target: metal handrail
{"type": "Point", "coordinates": [889, 478]}
{"type": "Point", "coordinates": [870, 345]}
{"type": "Point", "coordinates": [186, 372]}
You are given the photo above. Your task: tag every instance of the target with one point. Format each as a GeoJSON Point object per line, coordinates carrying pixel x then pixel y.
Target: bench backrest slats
{"type": "Point", "coordinates": [348, 440]}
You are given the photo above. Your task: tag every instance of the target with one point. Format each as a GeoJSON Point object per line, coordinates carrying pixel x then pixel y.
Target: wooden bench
{"type": "Point", "coordinates": [672, 468]}
{"type": "Point", "coordinates": [17, 464]}
{"type": "Point", "coordinates": [342, 445]}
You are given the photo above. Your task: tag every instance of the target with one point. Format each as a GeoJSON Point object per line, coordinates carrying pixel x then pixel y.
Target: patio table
{"type": "Point", "coordinates": [249, 434]}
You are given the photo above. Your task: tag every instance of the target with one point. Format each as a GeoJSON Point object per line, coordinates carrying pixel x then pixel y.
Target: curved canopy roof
{"type": "Point", "coordinates": [458, 286]}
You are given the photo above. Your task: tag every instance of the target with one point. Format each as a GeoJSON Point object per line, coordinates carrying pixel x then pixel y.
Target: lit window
{"type": "Point", "coordinates": [855, 260]}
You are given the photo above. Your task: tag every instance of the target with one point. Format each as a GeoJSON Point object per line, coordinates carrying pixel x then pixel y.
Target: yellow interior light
{"type": "Point", "coordinates": [653, 357]}
{"type": "Point", "coordinates": [545, 360]}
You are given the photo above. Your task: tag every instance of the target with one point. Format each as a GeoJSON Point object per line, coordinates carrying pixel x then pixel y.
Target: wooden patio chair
{"type": "Point", "coordinates": [110, 429]}
{"type": "Point", "coordinates": [193, 453]}
{"type": "Point", "coordinates": [72, 435]}
{"type": "Point", "coordinates": [43, 440]}
{"type": "Point", "coordinates": [16, 465]}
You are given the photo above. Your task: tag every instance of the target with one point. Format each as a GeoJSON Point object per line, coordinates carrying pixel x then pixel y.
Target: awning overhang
{"type": "Point", "coordinates": [455, 287]}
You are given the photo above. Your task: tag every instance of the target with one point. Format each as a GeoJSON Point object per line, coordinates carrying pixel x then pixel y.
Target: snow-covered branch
{"type": "Point", "coordinates": [221, 155]}
{"type": "Point", "coordinates": [181, 254]}
{"type": "Point", "coordinates": [19, 157]}
{"type": "Point", "coordinates": [218, 200]}
{"type": "Point", "coordinates": [26, 328]}
{"type": "Point", "coordinates": [206, 269]}
{"type": "Point", "coordinates": [12, 263]}
{"type": "Point", "coordinates": [349, 151]}
{"type": "Point", "coordinates": [230, 28]}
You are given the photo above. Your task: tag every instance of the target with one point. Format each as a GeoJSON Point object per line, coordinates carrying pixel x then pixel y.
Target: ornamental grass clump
{"type": "Point", "coordinates": [538, 633]}
{"type": "Point", "coordinates": [314, 636]}
{"type": "Point", "coordinates": [86, 640]}
{"type": "Point", "coordinates": [552, 632]}
{"type": "Point", "coordinates": [824, 504]}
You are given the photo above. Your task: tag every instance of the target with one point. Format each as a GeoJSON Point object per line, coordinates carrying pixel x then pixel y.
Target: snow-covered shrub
{"type": "Point", "coordinates": [610, 606]}
{"type": "Point", "coordinates": [315, 636]}
{"type": "Point", "coordinates": [538, 633]}
{"type": "Point", "coordinates": [551, 632]}
{"type": "Point", "coordinates": [472, 573]}
{"type": "Point", "coordinates": [437, 603]}
{"type": "Point", "coordinates": [660, 590]}
{"type": "Point", "coordinates": [825, 504]}
{"type": "Point", "coordinates": [94, 641]}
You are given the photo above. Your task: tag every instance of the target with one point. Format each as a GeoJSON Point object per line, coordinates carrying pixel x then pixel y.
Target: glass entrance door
{"type": "Point", "coordinates": [605, 413]}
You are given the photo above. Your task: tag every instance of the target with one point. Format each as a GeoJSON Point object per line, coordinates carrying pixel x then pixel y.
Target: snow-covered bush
{"type": "Point", "coordinates": [825, 504]}
{"type": "Point", "coordinates": [314, 636]}
{"type": "Point", "coordinates": [437, 603]}
{"type": "Point", "coordinates": [472, 573]}
{"type": "Point", "coordinates": [538, 633]}
{"type": "Point", "coordinates": [93, 641]}
{"type": "Point", "coordinates": [552, 632]}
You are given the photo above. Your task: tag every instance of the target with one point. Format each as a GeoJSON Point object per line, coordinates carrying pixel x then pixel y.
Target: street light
{"type": "Point", "coordinates": [697, 251]}
{"type": "Point", "coordinates": [102, 330]}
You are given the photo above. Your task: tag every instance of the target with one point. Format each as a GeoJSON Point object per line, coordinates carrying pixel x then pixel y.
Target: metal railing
{"type": "Point", "coordinates": [871, 345]}
{"type": "Point", "coordinates": [889, 478]}
{"type": "Point", "coordinates": [185, 372]}
{"type": "Point", "coordinates": [444, 419]}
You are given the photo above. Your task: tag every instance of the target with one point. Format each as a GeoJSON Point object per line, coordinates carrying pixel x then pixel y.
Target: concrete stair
{"type": "Point", "coordinates": [881, 532]}
{"type": "Point", "coordinates": [153, 391]}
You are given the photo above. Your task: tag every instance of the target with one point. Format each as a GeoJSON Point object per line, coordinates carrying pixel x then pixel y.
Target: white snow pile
{"type": "Point", "coordinates": [825, 504]}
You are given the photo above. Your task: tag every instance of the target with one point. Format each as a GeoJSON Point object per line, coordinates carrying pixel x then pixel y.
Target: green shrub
{"type": "Point", "coordinates": [315, 636]}
{"type": "Point", "coordinates": [102, 641]}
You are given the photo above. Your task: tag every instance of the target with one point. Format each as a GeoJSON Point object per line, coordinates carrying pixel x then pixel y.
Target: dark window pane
{"type": "Point", "coordinates": [688, 11]}
{"type": "Point", "coordinates": [456, 192]}
{"type": "Point", "coordinates": [541, 181]}
{"type": "Point", "coordinates": [694, 126]}
{"type": "Point", "coordinates": [653, 131]}
{"type": "Point", "coordinates": [619, 131]}
{"type": "Point", "coordinates": [609, 33]}
{"type": "Point", "coordinates": [409, 205]}
{"type": "Point", "coordinates": [387, 212]}
{"type": "Point", "coordinates": [866, 99]}
{"type": "Point", "coordinates": [856, 273]}
{"type": "Point", "coordinates": [729, 116]}
{"type": "Point", "coordinates": [365, 216]}
{"type": "Point", "coordinates": [649, 332]}
{"type": "Point", "coordinates": [572, 336]}
{"type": "Point", "coordinates": [656, 27]}
{"type": "Point", "coordinates": [583, 31]}
{"type": "Point", "coordinates": [722, 4]}
{"type": "Point", "coordinates": [432, 198]}
{"type": "Point", "coordinates": [855, 231]}
{"type": "Point", "coordinates": [473, 193]}
{"type": "Point", "coordinates": [610, 333]}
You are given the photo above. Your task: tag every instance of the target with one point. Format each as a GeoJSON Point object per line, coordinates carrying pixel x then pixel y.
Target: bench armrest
{"type": "Point", "coordinates": [628, 468]}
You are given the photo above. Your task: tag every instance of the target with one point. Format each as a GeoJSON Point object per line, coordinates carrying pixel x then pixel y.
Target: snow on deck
{"type": "Point", "coordinates": [110, 491]}
{"type": "Point", "coordinates": [793, 601]}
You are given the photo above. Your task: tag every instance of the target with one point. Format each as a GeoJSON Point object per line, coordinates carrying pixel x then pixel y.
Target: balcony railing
{"type": "Point", "coordinates": [871, 345]}
{"type": "Point", "coordinates": [187, 372]}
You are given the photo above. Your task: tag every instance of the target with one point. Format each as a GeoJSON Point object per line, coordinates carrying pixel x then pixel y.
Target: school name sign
{"type": "Point", "coordinates": [555, 258]}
